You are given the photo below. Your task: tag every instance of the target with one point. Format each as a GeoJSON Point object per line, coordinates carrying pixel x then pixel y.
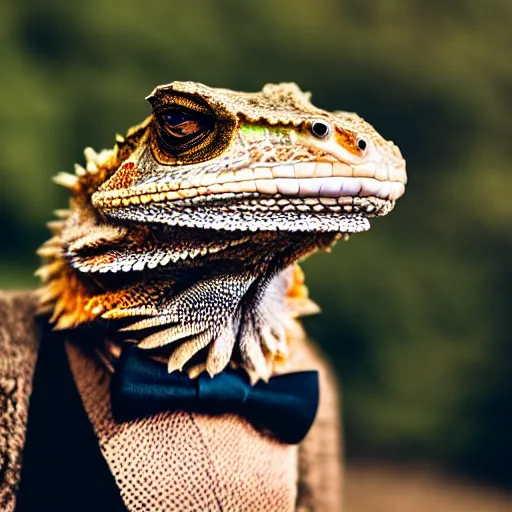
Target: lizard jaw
{"type": "Point", "coordinates": [305, 196]}
{"type": "Point", "coordinates": [260, 213]}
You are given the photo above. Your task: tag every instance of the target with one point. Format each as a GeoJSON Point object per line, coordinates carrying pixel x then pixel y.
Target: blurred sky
{"type": "Point", "coordinates": [417, 311]}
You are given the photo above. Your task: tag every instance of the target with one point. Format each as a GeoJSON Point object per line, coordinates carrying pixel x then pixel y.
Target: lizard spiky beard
{"type": "Point", "coordinates": [184, 238]}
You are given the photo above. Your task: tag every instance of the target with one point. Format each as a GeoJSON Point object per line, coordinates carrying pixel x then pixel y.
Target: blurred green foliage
{"type": "Point", "coordinates": [417, 311]}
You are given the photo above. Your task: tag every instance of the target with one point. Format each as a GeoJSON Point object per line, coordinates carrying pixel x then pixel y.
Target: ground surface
{"type": "Point", "coordinates": [375, 488]}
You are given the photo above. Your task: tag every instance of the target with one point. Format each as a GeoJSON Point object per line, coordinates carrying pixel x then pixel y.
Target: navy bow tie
{"type": "Point", "coordinates": [285, 406]}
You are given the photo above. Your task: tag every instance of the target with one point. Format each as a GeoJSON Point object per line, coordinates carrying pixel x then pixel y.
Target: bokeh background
{"type": "Point", "coordinates": [416, 313]}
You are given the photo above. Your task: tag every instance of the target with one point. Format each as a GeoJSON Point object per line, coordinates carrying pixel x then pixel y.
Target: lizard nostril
{"type": "Point", "coordinates": [362, 144]}
{"type": "Point", "coordinates": [320, 129]}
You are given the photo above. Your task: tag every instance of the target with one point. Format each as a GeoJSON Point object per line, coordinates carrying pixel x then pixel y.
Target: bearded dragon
{"type": "Point", "coordinates": [185, 237]}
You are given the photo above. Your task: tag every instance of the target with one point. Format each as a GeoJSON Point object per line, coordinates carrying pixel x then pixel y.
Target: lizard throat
{"type": "Point", "coordinates": [195, 298]}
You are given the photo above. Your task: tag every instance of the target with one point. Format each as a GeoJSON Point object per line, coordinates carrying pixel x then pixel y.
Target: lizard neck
{"type": "Point", "coordinates": [199, 299]}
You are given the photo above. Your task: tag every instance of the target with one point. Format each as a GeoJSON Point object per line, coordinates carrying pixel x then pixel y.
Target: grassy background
{"type": "Point", "coordinates": [417, 311]}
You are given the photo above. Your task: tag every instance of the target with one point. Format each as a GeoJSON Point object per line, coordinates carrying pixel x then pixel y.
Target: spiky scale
{"type": "Point", "coordinates": [170, 335]}
{"type": "Point", "coordinates": [187, 350]}
{"type": "Point", "coordinates": [69, 181]}
{"type": "Point", "coordinates": [220, 352]}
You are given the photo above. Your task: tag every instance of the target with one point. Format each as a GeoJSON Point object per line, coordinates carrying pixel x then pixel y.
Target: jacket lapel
{"type": "Point", "coordinates": [18, 351]}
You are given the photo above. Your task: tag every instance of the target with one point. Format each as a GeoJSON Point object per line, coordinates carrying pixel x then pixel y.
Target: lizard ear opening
{"type": "Point", "coordinates": [187, 130]}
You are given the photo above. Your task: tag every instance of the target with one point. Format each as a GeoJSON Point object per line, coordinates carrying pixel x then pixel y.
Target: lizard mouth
{"type": "Point", "coordinates": [306, 196]}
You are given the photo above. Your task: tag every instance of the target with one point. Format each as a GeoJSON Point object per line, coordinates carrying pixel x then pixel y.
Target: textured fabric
{"type": "Point", "coordinates": [285, 406]}
{"type": "Point", "coordinates": [320, 454]}
{"type": "Point", "coordinates": [63, 468]}
{"type": "Point", "coordinates": [18, 346]}
{"type": "Point", "coordinates": [187, 462]}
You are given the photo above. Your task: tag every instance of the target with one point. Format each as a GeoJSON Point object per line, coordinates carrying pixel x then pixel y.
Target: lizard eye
{"type": "Point", "coordinates": [320, 129]}
{"type": "Point", "coordinates": [183, 128]}
{"type": "Point", "coordinates": [186, 129]}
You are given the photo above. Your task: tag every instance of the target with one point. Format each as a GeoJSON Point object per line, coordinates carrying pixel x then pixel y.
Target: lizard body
{"type": "Point", "coordinates": [185, 237]}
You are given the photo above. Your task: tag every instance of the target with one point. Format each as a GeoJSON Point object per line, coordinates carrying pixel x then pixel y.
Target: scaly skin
{"type": "Point", "coordinates": [185, 236]}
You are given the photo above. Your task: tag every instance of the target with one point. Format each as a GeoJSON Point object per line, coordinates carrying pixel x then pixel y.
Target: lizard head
{"type": "Point", "coordinates": [185, 236]}
{"type": "Point", "coordinates": [223, 160]}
